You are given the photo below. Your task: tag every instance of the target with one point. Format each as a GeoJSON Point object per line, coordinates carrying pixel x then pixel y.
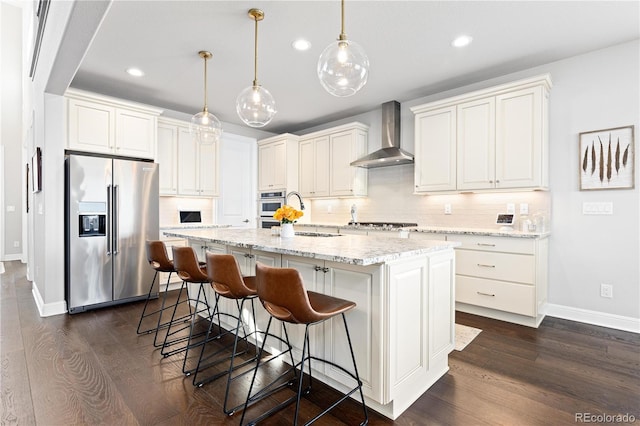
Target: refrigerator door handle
{"type": "Point", "coordinates": [109, 218]}
{"type": "Point", "coordinates": [116, 218]}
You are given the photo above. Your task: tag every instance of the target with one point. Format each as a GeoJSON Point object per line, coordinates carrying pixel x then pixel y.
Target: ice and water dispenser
{"type": "Point", "coordinates": [92, 219]}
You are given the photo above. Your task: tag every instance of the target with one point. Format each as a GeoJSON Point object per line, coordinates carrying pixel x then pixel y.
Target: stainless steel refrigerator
{"type": "Point", "coordinates": [111, 209]}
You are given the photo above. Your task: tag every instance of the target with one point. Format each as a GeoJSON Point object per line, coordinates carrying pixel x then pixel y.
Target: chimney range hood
{"type": "Point", "coordinates": [390, 153]}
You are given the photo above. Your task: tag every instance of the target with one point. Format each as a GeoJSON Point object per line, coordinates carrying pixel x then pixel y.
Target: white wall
{"type": "Point", "coordinates": [13, 168]}
{"type": "Point", "coordinates": [598, 90]}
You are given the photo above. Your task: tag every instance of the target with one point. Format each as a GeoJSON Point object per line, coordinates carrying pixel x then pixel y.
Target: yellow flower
{"type": "Point", "coordinates": [287, 214]}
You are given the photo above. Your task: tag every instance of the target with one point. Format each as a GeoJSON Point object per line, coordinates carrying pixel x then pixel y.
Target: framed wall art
{"type": "Point", "coordinates": [607, 159]}
{"type": "Point", "coordinates": [36, 170]}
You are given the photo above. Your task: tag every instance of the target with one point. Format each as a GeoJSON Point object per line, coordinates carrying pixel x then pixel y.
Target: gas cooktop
{"type": "Point", "coordinates": [384, 224]}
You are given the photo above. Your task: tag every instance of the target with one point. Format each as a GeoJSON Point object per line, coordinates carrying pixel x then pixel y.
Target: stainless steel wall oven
{"type": "Point", "coordinates": [268, 203]}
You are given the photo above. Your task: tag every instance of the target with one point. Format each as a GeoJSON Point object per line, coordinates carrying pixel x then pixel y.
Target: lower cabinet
{"type": "Point", "coordinates": [502, 277]}
{"type": "Point", "coordinates": [170, 242]}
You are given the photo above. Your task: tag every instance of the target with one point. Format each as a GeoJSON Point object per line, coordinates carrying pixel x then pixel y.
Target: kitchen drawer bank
{"type": "Point", "coordinates": [501, 275]}
{"type": "Point", "coordinates": [403, 326]}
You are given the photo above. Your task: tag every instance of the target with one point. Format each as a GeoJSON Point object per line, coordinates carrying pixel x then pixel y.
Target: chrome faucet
{"type": "Point", "coordinates": [297, 194]}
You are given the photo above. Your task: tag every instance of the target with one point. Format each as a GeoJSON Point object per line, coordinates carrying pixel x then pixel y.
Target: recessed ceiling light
{"type": "Point", "coordinates": [136, 72]}
{"type": "Point", "coordinates": [301, 44]}
{"type": "Point", "coordinates": [461, 41]}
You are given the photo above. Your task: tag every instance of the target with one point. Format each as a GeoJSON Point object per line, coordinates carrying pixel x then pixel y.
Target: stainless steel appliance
{"type": "Point", "coordinates": [111, 209]}
{"type": "Point", "coordinates": [268, 203]}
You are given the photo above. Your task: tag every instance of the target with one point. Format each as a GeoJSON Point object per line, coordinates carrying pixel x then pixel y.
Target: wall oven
{"type": "Point", "coordinates": [268, 203]}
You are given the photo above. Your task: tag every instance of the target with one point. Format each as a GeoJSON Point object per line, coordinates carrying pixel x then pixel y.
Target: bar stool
{"type": "Point", "coordinates": [227, 281]}
{"type": "Point", "coordinates": [192, 272]}
{"type": "Point", "coordinates": [159, 260]}
{"type": "Point", "coordinates": [283, 295]}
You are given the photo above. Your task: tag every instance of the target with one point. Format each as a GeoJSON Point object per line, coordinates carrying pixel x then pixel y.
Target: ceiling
{"type": "Point", "coordinates": [408, 44]}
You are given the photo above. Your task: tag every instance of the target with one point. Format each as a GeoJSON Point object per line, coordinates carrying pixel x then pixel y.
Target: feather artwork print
{"type": "Point", "coordinates": [609, 160]}
{"type": "Point", "coordinates": [601, 162]}
{"type": "Point", "coordinates": [609, 165]}
{"type": "Point", "coordinates": [618, 157]}
{"type": "Point", "coordinates": [625, 156]}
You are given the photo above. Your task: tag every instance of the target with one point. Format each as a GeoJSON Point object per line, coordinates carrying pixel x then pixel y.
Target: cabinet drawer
{"type": "Point", "coordinates": [504, 296]}
{"type": "Point", "coordinates": [497, 266]}
{"type": "Point", "coordinates": [502, 244]}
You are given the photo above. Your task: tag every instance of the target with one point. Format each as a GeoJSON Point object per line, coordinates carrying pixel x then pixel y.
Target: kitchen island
{"type": "Point", "coordinates": [403, 326]}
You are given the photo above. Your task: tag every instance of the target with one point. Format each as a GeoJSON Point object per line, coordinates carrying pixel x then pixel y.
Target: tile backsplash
{"type": "Point", "coordinates": [170, 207]}
{"type": "Point", "coordinates": [391, 198]}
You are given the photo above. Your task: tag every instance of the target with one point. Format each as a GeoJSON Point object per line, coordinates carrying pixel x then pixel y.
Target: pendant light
{"type": "Point", "coordinates": [255, 105]}
{"type": "Point", "coordinates": [205, 127]}
{"type": "Point", "coordinates": [343, 67]}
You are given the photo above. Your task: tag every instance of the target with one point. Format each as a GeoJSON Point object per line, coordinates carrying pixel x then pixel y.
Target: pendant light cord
{"type": "Point", "coordinates": [342, 36]}
{"type": "Point", "coordinates": [255, 54]}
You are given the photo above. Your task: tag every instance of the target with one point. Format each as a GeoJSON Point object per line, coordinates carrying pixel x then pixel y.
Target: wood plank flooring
{"type": "Point", "coordinates": [92, 369]}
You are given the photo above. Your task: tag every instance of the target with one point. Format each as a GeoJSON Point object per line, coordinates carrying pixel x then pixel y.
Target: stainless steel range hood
{"type": "Point", "coordinates": [390, 153]}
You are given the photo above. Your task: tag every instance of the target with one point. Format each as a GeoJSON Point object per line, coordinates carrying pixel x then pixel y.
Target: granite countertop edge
{"type": "Point", "coordinates": [351, 249]}
{"type": "Point", "coordinates": [437, 230]}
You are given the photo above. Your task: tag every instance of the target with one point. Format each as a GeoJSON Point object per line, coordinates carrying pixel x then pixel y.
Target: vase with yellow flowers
{"type": "Point", "coordinates": [287, 216]}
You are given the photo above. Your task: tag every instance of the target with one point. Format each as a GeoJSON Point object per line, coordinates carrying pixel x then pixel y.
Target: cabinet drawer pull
{"type": "Point", "coordinates": [317, 268]}
{"type": "Point", "coordinates": [485, 294]}
{"type": "Point", "coordinates": [482, 265]}
{"type": "Point", "coordinates": [486, 245]}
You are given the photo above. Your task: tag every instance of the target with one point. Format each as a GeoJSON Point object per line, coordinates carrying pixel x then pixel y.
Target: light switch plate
{"type": "Point", "coordinates": [597, 208]}
{"type": "Point", "coordinates": [511, 208]}
{"type": "Point", "coordinates": [524, 208]}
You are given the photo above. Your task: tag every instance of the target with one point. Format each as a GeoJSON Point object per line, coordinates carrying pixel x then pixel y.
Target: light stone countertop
{"type": "Point", "coordinates": [192, 226]}
{"type": "Point", "coordinates": [495, 232]}
{"type": "Point", "coordinates": [352, 249]}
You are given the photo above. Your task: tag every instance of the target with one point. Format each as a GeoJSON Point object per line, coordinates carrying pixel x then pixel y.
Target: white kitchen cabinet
{"type": "Point", "coordinates": [347, 144]}
{"type": "Point", "coordinates": [186, 167]}
{"type": "Point", "coordinates": [325, 162]}
{"type": "Point", "coordinates": [314, 166]}
{"type": "Point", "coordinates": [501, 139]}
{"type": "Point", "coordinates": [435, 150]}
{"type": "Point", "coordinates": [175, 282]}
{"type": "Point", "coordinates": [167, 158]}
{"type": "Point", "coordinates": [476, 144]}
{"type": "Point", "coordinates": [110, 126]}
{"type": "Point", "coordinates": [502, 277]}
{"type": "Point", "coordinates": [197, 166]}
{"type": "Point", "coordinates": [359, 284]}
{"type": "Point", "coordinates": [278, 163]}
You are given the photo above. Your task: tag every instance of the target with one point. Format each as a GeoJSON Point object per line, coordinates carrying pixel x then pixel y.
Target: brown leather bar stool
{"type": "Point", "coordinates": [159, 260]}
{"type": "Point", "coordinates": [283, 295]}
{"type": "Point", "coordinates": [192, 272]}
{"type": "Point", "coordinates": [227, 281]}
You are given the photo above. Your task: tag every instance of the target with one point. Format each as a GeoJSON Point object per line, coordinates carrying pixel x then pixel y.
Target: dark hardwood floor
{"type": "Point", "coordinates": [92, 368]}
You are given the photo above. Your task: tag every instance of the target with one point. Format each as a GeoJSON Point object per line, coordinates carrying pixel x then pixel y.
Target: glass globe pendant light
{"type": "Point", "coordinates": [255, 105]}
{"type": "Point", "coordinates": [343, 67]}
{"type": "Point", "coordinates": [205, 127]}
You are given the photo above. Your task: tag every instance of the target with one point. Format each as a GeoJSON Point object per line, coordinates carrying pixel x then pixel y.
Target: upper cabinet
{"type": "Point", "coordinates": [110, 126]}
{"type": "Point", "coordinates": [490, 140]}
{"type": "Point", "coordinates": [278, 163]}
{"type": "Point", "coordinates": [325, 162]}
{"type": "Point", "coordinates": [186, 167]}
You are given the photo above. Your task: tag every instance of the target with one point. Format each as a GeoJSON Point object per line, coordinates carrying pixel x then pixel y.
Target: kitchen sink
{"type": "Point", "coordinates": [317, 234]}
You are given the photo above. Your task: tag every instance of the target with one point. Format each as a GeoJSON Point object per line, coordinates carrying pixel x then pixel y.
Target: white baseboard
{"type": "Point", "coordinates": [603, 319]}
{"type": "Point", "coordinates": [10, 257]}
{"type": "Point", "coordinates": [47, 309]}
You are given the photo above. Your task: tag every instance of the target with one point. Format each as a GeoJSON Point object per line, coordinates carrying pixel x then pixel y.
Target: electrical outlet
{"type": "Point", "coordinates": [524, 208]}
{"type": "Point", "coordinates": [606, 290]}
{"type": "Point", "coordinates": [447, 208]}
{"type": "Point", "coordinates": [329, 210]}
{"type": "Point", "coordinates": [511, 208]}
{"type": "Point", "coordinates": [16, 243]}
